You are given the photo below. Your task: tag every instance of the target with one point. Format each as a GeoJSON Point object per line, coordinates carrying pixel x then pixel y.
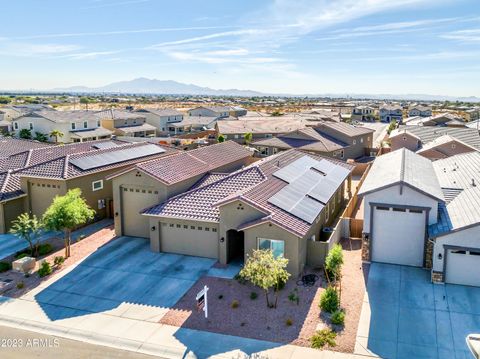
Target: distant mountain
{"type": "Point", "coordinates": [152, 86]}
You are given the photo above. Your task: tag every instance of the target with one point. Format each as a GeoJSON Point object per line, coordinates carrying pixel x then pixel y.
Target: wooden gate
{"type": "Point", "coordinates": [356, 228]}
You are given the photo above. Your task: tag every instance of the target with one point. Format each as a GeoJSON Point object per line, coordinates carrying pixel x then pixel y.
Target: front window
{"type": "Point", "coordinates": [15, 125]}
{"type": "Point", "coordinates": [275, 245]}
{"type": "Point", "coordinates": [98, 123]}
{"type": "Point", "coordinates": [97, 185]}
{"type": "Point", "coordinates": [85, 124]}
{"type": "Point", "coordinates": [73, 126]}
{"type": "Point", "coordinates": [30, 126]}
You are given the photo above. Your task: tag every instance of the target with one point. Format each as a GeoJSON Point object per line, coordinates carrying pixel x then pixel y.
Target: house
{"type": "Point", "coordinates": [363, 113]}
{"type": "Point", "coordinates": [5, 126]}
{"type": "Point", "coordinates": [337, 140]}
{"type": "Point", "coordinates": [11, 112]}
{"type": "Point", "coordinates": [211, 111]}
{"type": "Point", "coordinates": [191, 124]}
{"type": "Point", "coordinates": [472, 114]}
{"type": "Point", "coordinates": [29, 180]}
{"type": "Point", "coordinates": [440, 120]}
{"type": "Point", "coordinates": [435, 142]}
{"type": "Point", "coordinates": [126, 123]}
{"type": "Point", "coordinates": [280, 203]}
{"type": "Point", "coordinates": [152, 182]}
{"type": "Point", "coordinates": [419, 110]}
{"type": "Point", "coordinates": [76, 126]}
{"type": "Point", "coordinates": [424, 214]}
{"type": "Point", "coordinates": [390, 113]}
{"type": "Point", "coordinates": [161, 119]}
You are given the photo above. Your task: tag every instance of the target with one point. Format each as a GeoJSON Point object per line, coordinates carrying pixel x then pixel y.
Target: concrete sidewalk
{"type": "Point", "coordinates": [148, 337]}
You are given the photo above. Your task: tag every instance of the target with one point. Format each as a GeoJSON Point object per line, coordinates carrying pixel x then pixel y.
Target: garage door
{"type": "Point", "coordinates": [189, 238]}
{"type": "Point", "coordinates": [398, 236]}
{"type": "Point", "coordinates": [133, 201]}
{"type": "Point", "coordinates": [459, 267]}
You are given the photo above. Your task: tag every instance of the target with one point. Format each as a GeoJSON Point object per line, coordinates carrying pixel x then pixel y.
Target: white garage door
{"type": "Point", "coordinates": [398, 236]}
{"type": "Point", "coordinates": [133, 201]}
{"type": "Point", "coordinates": [461, 266]}
{"type": "Point", "coordinates": [189, 238]}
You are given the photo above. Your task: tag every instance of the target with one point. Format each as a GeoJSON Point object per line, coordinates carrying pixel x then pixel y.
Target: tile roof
{"type": "Point", "coordinates": [11, 146]}
{"type": "Point", "coordinates": [161, 111]}
{"type": "Point", "coordinates": [118, 114]}
{"type": "Point", "coordinates": [66, 116]}
{"type": "Point", "coordinates": [346, 129]}
{"type": "Point", "coordinates": [208, 179]}
{"type": "Point", "coordinates": [97, 132]}
{"type": "Point", "coordinates": [194, 120]}
{"type": "Point", "coordinates": [268, 125]}
{"type": "Point", "coordinates": [439, 141]}
{"type": "Point", "coordinates": [403, 166]}
{"type": "Point", "coordinates": [427, 134]}
{"type": "Point", "coordinates": [136, 128]}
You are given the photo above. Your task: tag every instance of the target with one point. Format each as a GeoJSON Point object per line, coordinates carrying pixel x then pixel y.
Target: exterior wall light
{"type": "Point", "coordinates": [222, 240]}
{"type": "Point", "coordinates": [153, 228]}
{"type": "Point", "coordinates": [440, 256]}
{"type": "Point", "coordinates": [116, 214]}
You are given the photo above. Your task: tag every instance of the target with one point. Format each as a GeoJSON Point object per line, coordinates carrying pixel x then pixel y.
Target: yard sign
{"type": "Point", "coordinates": [202, 301]}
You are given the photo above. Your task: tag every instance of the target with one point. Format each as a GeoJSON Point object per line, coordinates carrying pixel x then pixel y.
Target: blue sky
{"type": "Point", "coordinates": [287, 46]}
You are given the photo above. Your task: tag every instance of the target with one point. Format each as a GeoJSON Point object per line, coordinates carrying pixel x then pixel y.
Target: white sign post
{"type": "Point", "coordinates": [202, 301]}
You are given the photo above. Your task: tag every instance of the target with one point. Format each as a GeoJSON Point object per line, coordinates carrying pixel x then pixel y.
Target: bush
{"type": "Point", "coordinates": [338, 317]}
{"type": "Point", "coordinates": [288, 322]}
{"type": "Point", "coordinates": [22, 255]}
{"type": "Point", "coordinates": [235, 304]}
{"type": "Point", "coordinates": [59, 260]}
{"type": "Point", "coordinates": [329, 300]}
{"type": "Point", "coordinates": [45, 269]}
{"type": "Point", "coordinates": [293, 296]}
{"type": "Point", "coordinates": [253, 295]}
{"type": "Point", "coordinates": [322, 338]}
{"type": "Point", "coordinates": [20, 285]}
{"type": "Point", "coordinates": [280, 285]}
{"type": "Point", "coordinates": [240, 279]}
{"type": "Point", "coordinates": [44, 249]}
{"type": "Point", "coordinates": [4, 266]}
{"type": "Point", "coordinates": [334, 262]}
{"type": "Point", "coordinates": [220, 296]}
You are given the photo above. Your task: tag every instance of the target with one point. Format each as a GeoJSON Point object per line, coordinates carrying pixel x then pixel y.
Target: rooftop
{"type": "Point", "coordinates": [267, 125]}
{"type": "Point", "coordinates": [427, 134]}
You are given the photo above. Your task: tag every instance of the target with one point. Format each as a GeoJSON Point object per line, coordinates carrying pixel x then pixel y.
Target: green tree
{"type": "Point", "coordinates": [40, 137]}
{"type": "Point", "coordinates": [266, 271]}
{"type": "Point", "coordinates": [334, 262]}
{"type": "Point", "coordinates": [57, 134]}
{"type": "Point", "coordinates": [221, 139]}
{"type": "Point", "coordinates": [29, 229]}
{"type": "Point", "coordinates": [85, 101]}
{"type": "Point", "coordinates": [25, 134]}
{"type": "Point", "coordinates": [5, 100]}
{"type": "Point", "coordinates": [66, 213]}
{"type": "Point", "coordinates": [276, 113]}
{"type": "Point", "coordinates": [248, 137]}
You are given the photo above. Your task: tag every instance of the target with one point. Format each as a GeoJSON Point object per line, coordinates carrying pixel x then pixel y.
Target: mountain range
{"type": "Point", "coordinates": [168, 87]}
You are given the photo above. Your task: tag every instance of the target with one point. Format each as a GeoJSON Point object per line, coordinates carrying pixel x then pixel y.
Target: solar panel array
{"type": "Point", "coordinates": [104, 159]}
{"type": "Point", "coordinates": [311, 184]}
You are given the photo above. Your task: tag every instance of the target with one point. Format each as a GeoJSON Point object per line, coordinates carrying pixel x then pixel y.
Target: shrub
{"type": "Point", "coordinates": [45, 269]}
{"type": "Point", "coordinates": [22, 255]}
{"type": "Point", "coordinates": [322, 338]}
{"type": "Point", "coordinates": [280, 285]}
{"type": "Point", "coordinates": [20, 285]}
{"type": "Point", "coordinates": [59, 260]}
{"type": "Point", "coordinates": [334, 262]}
{"type": "Point", "coordinates": [4, 266]}
{"type": "Point", "coordinates": [293, 296]}
{"type": "Point", "coordinates": [288, 322]}
{"type": "Point", "coordinates": [240, 279]}
{"type": "Point", "coordinates": [220, 296]}
{"type": "Point", "coordinates": [235, 304]}
{"type": "Point", "coordinates": [253, 295]}
{"type": "Point", "coordinates": [338, 317]}
{"type": "Point", "coordinates": [329, 300]}
{"type": "Point", "coordinates": [44, 249]}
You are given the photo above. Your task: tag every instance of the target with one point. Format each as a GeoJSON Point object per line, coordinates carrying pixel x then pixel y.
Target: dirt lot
{"type": "Point", "coordinates": [252, 318]}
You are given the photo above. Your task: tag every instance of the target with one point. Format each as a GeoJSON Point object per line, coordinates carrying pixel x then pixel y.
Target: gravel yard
{"type": "Point", "coordinates": [252, 318]}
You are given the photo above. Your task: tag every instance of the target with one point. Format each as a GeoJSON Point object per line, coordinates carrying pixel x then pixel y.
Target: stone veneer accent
{"type": "Point", "coordinates": [437, 277]}
{"type": "Point", "coordinates": [365, 247]}
{"type": "Point", "coordinates": [429, 254]}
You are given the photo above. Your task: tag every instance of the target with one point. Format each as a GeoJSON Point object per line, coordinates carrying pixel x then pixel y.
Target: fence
{"type": "Point", "coordinates": [317, 250]}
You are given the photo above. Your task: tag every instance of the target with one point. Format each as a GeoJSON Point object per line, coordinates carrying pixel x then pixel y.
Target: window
{"type": "Point", "coordinates": [214, 229]}
{"type": "Point", "coordinates": [236, 136]}
{"type": "Point", "coordinates": [199, 228]}
{"type": "Point", "coordinates": [277, 246]}
{"type": "Point", "coordinates": [415, 211]}
{"type": "Point", "coordinates": [458, 252]}
{"type": "Point", "coordinates": [73, 126]}
{"type": "Point", "coordinates": [192, 227]}
{"type": "Point", "coordinates": [474, 253]}
{"type": "Point", "coordinates": [274, 151]}
{"type": "Point", "coordinates": [85, 124]}
{"type": "Point", "coordinates": [172, 225]}
{"type": "Point", "coordinates": [98, 123]}
{"type": "Point", "coordinates": [361, 140]}
{"type": "Point", "coordinates": [30, 126]}
{"type": "Point", "coordinates": [268, 135]}
{"type": "Point", "coordinates": [97, 185]}
{"type": "Point", "coordinates": [342, 152]}
{"type": "Point", "coordinates": [185, 226]}
{"type": "Point", "coordinates": [207, 229]}
{"type": "Point", "coordinates": [15, 125]}
{"type": "Point", "coordinates": [383, 208]}
{"type": "Point", "coordinates": [454, 145]}
{"type": "Point", "coordinates": [354, 142]}
{"type": "Point", "coordinates": [399, 210]}
{"type": "Point", "coordinates": [179, 225]}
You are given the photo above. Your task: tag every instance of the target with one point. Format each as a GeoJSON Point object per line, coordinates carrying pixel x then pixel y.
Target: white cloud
{"type": "Point", "coordinates": [472, 35]}
{"type": "Point", "coordinates": [9, 48]}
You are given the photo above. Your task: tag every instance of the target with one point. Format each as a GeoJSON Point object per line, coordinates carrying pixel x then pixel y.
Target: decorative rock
{"type": "Point", "coordinates": [24, 265]}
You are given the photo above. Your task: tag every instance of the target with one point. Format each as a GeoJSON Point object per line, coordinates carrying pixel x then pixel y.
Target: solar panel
{"type": "Point", "coordinates": [339, 174]}
{"type": "Point", "coordinates": [104, 145]}
{"type": "Point", "coordinates": [104, 159]}
{"type": "Point", "coordinates": [324, 190]}
{"type": "Point", "coordinates": [286, 198]}
{"type": "Point", "coordinates": [324, 166]}
{"type": "Point", "coordinates": [295, 169]}
{"type": "Point", "coordinates": [307, 209]}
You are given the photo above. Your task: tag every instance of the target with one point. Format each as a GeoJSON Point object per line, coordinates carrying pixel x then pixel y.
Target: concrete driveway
{"type": "Point", "coordinates": [404, 315]}
{"type": "Point", "coordinates": [123, 278]}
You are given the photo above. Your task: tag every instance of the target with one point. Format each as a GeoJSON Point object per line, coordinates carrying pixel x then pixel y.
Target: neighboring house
{"type": "Point", "coordinates": [155, 181]}
{"type": "Point", "coordinates": [161, 119]}
{"type": "Point", "coordinates": [434, 142]}
{"type": "Point", "coordinates": [11, 112]}
{"type": "Point", "coordinates": [390, 113]}
{"type": "Point", "coordinates": [440, 120]}
{"type": "Point", "coordinates": [281, 203]}
{"type": "Point", "coordinates": [363, 113]}
{"type": "Point", "coordinates": [5, 126]}
{"type": "Point", "coordinates": [211, 111]}
{"type": "Point", "coordinates": [191, 124]}
{"type": "Point", "coordinates": [337, 140]}
{"type": "Point", "coordinates": [421, 111]}
{"type": "Point", "coordinates": [76, 126]}
{"type": "Point", "coordinates": [126, 123]}
{"type": "Point", "coordinates": [472, 114]}
{"type": "Point", "coordinates": [30, 186]}
{"type": "Point", "coordinates": [424, 214]}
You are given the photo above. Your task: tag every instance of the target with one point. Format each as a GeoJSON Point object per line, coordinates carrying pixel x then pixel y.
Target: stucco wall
{"type": "Point", "coordinates": [404, 141]}
{"type": "Point", "coordinates": [41, 193]}
{"type": "Point", "coordinates": [11, 210]}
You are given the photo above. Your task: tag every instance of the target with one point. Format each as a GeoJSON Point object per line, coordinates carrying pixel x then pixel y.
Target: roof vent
{"type": "Point", "coordinates": [473, 182]}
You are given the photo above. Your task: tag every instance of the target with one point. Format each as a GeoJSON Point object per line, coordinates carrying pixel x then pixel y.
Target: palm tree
{"type": "Point", "coordinates": [56, 134]}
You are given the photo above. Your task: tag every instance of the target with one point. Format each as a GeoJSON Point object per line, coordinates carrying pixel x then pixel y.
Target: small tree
{"type": "Point", "coordinates": [85, 101]}
{"type": "Point", "coordinates": [266, 271]}
{"type": "Point", "coordinates": [334, 262]}
{"type": "Point", "coordinates": [221, 139]}
{"type": "Point", "coordinates": [57, 134]}
{"type": "Point", "coordinates": [248, 137]}
{"type": "Point", "coordinates": [66, 213]}
{"type": "Point", "coordinates": [29, 229]}
{"type": "Point", "coordinates": [25, 134]}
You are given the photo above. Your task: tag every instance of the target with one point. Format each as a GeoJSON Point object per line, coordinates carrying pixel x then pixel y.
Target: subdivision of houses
{"type": "Point", "coordinates": [338, 140]}
{"type": "Point", "coordinates": [74, 126]}
{"type": "Point", "coordinates": [30, 179]}
{"type": "Point", "coordinates": [420, 111]}
{"type": "Point", "coordinates": [440, 120]}
{"type": "Point", "coordinates": [424, 214]}
{"type": "Point", "coordinates": [435, 142]}
{"type": "Point", "coordinates": [126, 123]}
{"type": "Point", "coordinates": [390, 113]}
{"type": "Point", "coordinates": [281, 203]}
{"type": "Point", "coordinates": [11, 112]}
{"type": "Point", "coordinates": [191, 124]}
{"type": "Point", "coordinates": [218, 112]}
{"type": "Point", "coordinates": [162, 118]}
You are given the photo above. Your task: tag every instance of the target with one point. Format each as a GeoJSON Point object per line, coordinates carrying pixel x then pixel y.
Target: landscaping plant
{"type": "Point", "coordinates": [58, 260]}
{"type": "Point", "coordinates": [235, 304]}
{"type": "Point", "coordinates": [20, 285]}
{"type": "Point", "coordinates": [45, 269]}
{"type": "Point", "coordinates": [29, 229]}
{"type": "Point", "coordinates": [334, 262]}
{"type": "Point", "coordinates": [266, 271]}
{"type": "Point", "coordinates": [322, 338]}
{"type": "Point", "coordinates": [253, 295]}
{"type": "Point", "coordinates": [338, 317]}
{"type": "Point", "coordinates": [288, 322]}
{"type": "Point", "coordinates": [66, 213]}
{"type": "Point", "coordinates": [44, 249]}
{"type": "Point", "coordinates": [5, 266]}
{"type": "Point", "coordinates": [293, 296]}
{"type": "Point", "coordinates": [329, 301]}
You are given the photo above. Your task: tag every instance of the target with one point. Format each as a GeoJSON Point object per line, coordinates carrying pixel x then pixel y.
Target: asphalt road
{"type": "Point", "coordinates": [34, 345]}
